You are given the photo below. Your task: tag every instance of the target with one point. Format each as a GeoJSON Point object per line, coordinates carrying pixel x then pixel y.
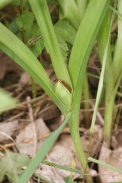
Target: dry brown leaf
{"type": "Point", "coordinates": [50, 173]}
{"type": "Point", "coordinates": [66, 141]}
{"type": "Point", "coordinates": [95, 142]}
{"type": "Point", "coordinates": [25, 78]}
{"type": "Point", "coordinates": [7, 130]}
{"type": "Point", "coordinates": [113, 158]}
{"type": "Point", "coordinates": [62, 156]}
{"type": "Point", "coordinates": [24, 138]}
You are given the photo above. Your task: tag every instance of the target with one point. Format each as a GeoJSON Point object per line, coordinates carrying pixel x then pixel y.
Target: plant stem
{"type": "Point", "coordinates": [34, 92]}
{"type": "Point", "coordinates": [21, 10]}
{"type": "Point", "coordinates": [86, 98]}
{"type": "Point", "coordinates": [113, 80]}
{"type": "Point", "coordinates": [109, 105]}
{"type": "Point", "coordinates": [74, 128]}
{"type": "Point", "coordinates": [21, 6]}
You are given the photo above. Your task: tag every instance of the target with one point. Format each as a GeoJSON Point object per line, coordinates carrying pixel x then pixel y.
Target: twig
{"type": "Point", "coordinates": [33, 125]}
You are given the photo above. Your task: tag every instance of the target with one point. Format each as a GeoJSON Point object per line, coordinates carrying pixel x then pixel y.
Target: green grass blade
{"type": "Point", "coordinates": [42, 178]}
{"type": "Point", "coordinates": [15, 49]}
{"type": "Point", "coordinates": [105, 165]}
{"type": "Point", "coordinates": [115, 11]}
{"type": "Point", "coordinates": [42, 15]}
{"type": "Point", "coordinates": [100, 87]}
{"type": "Point", "coordinates": [44, 149]}
{"type": "Point", "coordinates": [62, 167]}
{"type": "Point", "coordinates": [104, 51]}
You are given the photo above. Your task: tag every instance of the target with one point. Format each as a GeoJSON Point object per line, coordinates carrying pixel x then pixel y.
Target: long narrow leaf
{"type": "Point", "coordinates": [81, 49]}
{"type": "Point", "coordinates": [100, 86]}
{"type": "Point", "coordinates": [85, 38]}
{"type": "Point", "coordinates": [105, 165]}
{"type": "Point", "coordinates": [117, 62]}
{"type": "Point", "coordinates": [113, 80]}
{"type": "Point", "coordinates": [62, 167]}
{"type": "Point", "coordinates": [45, 180]}
{"type": "Point", "coordinates": [42, 15]}
{"type": "Point", "coordinates": [83, 44]}
{"type": "Point", "coordinates": [44, 149]}
{"type": "Point", "coordinates": [15, 49]}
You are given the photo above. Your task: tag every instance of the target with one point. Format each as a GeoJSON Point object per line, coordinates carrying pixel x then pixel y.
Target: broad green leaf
{"type": "Point", "coordinates": [25, 20]}
{"type": "Point", "coordinates": [6, 101]}
{"type": "Point", "coordinates": [36, 46]}
{"type": "Point", "coordinates": [64, 30]}
{"type": "Point", "coordinates": [34, 40]}
{"type": "Point", "coordinates": [42, 152]}
{"type": "Point", "coordinates": [63, 47]}
{"type": "Point", "coordinates": [11, 165]}
{"type": "Point", "coordinates": [65, 33]}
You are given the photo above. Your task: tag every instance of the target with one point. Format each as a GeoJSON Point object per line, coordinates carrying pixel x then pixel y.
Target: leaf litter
{"type": "Point", "coordinates": [28, 130]}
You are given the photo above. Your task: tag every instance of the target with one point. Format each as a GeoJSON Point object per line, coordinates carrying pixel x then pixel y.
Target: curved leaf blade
{"type": "Point", "coordinates": [26, 59]}
{"type": "Point", "coordinates": [42, 15]}
{"type": "Point", "coordinates": [85, 38]}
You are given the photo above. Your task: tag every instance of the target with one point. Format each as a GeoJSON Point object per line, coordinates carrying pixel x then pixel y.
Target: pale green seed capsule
{"type": "Point", "coordinates": [63, 93]}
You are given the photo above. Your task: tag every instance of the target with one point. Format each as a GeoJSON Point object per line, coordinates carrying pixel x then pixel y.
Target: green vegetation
{"type": "Point", "coordinates": [79, 26]}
